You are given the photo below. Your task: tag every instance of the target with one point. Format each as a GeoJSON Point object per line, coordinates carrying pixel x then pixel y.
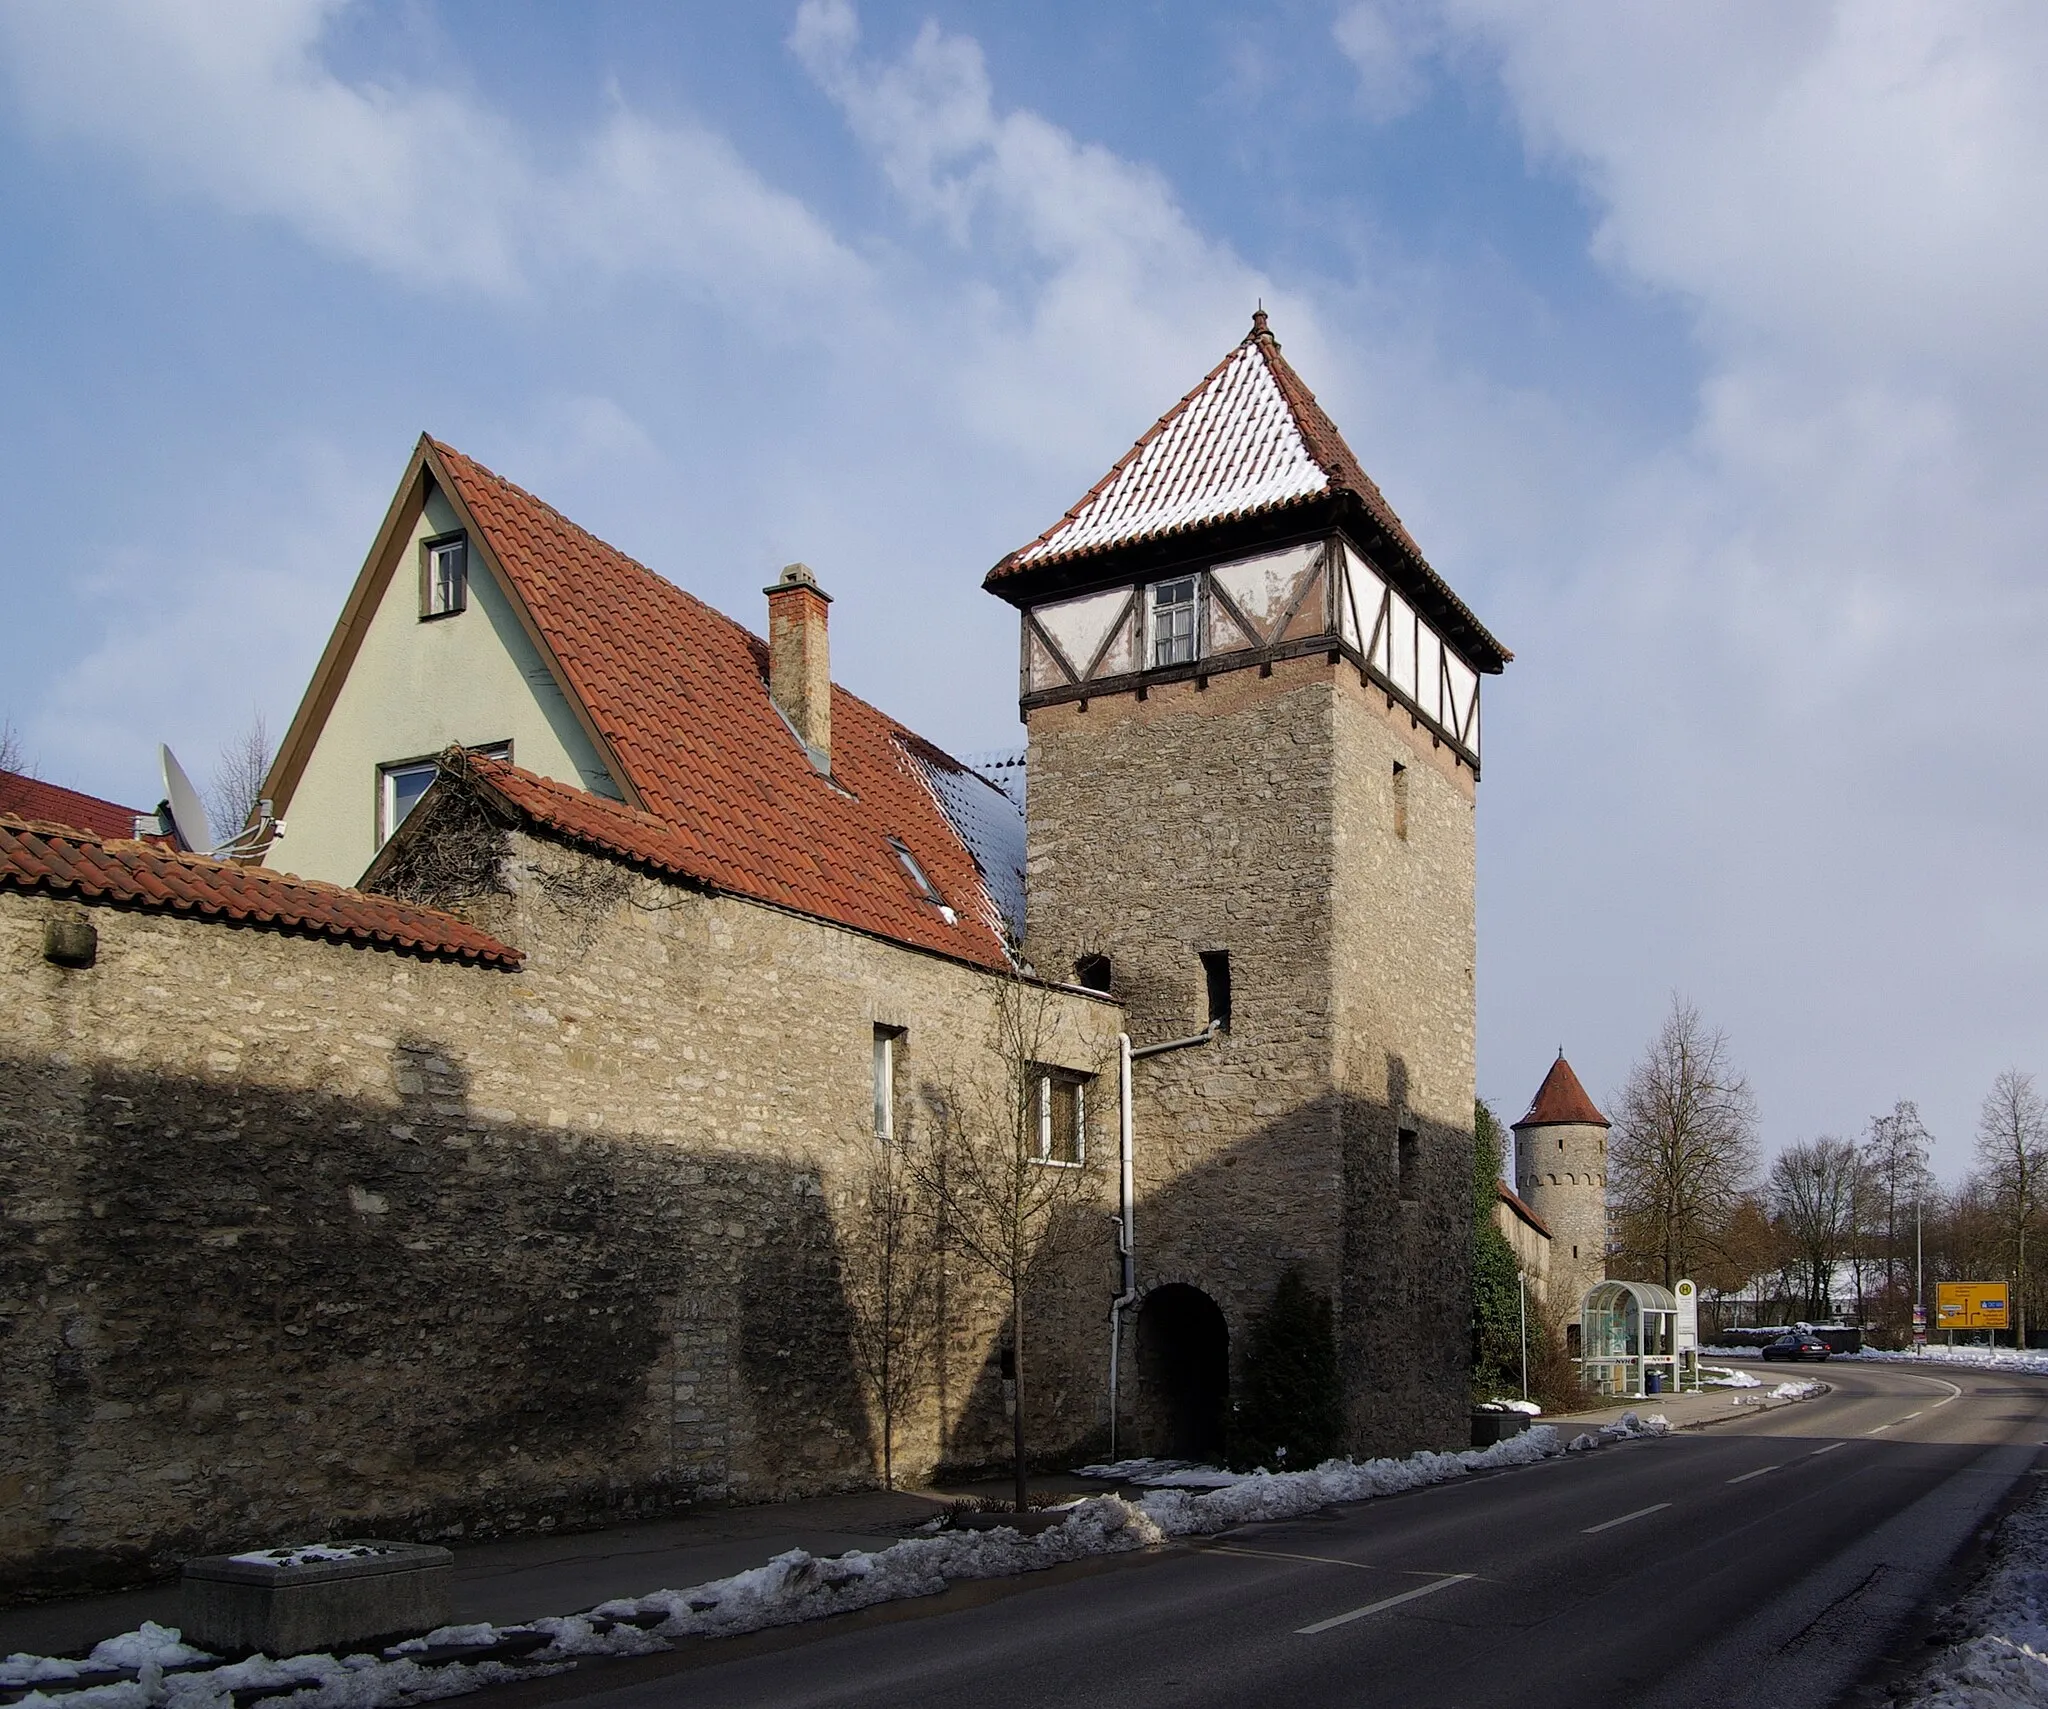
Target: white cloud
{"type": "Point", "coordinates": [1389, 44]}
{"type": "Point", "coordinates": [232, 100]}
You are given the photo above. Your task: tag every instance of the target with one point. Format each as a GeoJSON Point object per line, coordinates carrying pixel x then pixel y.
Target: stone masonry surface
{"type": "Point", "coordinates": [300, 1238]}
{"type": "Point", "coordinates": [1254, 815]}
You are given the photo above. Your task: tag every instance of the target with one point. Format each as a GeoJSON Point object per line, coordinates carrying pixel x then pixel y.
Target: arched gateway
{"type": "Point", "coordinates": [1184, 1371]}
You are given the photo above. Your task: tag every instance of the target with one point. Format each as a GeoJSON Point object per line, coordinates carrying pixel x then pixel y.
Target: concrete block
{"type": "Point", "coordinates": [314, 1597]}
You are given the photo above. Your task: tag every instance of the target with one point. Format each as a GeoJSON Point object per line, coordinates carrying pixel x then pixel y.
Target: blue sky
{"type": "Point", "coordinates": [1701, 348]}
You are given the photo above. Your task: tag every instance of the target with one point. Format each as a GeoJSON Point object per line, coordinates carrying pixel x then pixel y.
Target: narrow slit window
{"type": "Point", "coordinates": [888, 1048]}
{"type": "Point", "coordinates": [444, 575]}
{"type": "Point", "coordinates": [1216, 976]}
{"type": "Point", "coordinates": [1408, 1163]}
{"type": "Point", "coordinates": [1174, 622]}
{"type": "Point", "coordinates": [1400, 801]}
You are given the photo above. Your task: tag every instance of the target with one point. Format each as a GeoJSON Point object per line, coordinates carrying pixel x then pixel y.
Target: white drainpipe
{"type": "Point", "coordinates": [1127, 1228]}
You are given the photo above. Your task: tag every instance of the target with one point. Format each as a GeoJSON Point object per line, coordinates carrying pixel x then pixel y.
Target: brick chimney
{"type": "Point", "coordinates": [799, 661]}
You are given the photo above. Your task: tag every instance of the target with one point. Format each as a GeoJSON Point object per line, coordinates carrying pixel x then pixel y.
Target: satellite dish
{"type": "Point", "coordinates": [188, 816]}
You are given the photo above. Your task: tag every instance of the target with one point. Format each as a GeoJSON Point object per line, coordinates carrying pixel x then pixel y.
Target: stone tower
{"type": "Point", "coordinates": [1561, 1174]}
{"type": "Point", "coordinates": [1253, 711]}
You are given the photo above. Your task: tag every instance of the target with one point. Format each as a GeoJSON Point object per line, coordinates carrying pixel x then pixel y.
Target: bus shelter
{"type": "Point", "coordinates": [1628, 1334]}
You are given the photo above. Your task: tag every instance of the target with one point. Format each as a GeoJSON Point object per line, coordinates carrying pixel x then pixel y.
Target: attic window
{"type": "Point", "coordinates": [1173, 622]}
{"type": "Point", "coordinates": [444, 575]}
{"type": "Point", "coordinates": [925, 887]}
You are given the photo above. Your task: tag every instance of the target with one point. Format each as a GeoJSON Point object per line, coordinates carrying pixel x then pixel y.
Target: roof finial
{"type": "Point", "coordinates": [1259, 327]}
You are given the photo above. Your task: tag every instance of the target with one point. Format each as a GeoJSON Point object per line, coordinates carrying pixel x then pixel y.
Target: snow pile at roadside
{"type": "Point", "coordinates": [793, 1587]}
{"type": "Point", "coordinates": [1500, 1403]}
{"type": "Point", "coordinates": [1161, 1474]}
{"type": "Point", "coordinates": [1723, 1377]}
{"type": "Point", "coordinates": [1798, 1389]}
{"type": "Point", "coordinates": [2003, 1663]}
{"type": "Point", "coordinates": [1990, 1358]}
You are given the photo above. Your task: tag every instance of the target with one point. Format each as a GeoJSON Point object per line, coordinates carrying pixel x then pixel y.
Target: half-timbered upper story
{"type": "Point", "coordinates": [1241, 530]}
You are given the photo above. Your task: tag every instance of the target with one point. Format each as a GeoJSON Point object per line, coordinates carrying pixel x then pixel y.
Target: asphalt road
{"type": "Point", "coordinates": [1767, 1562]}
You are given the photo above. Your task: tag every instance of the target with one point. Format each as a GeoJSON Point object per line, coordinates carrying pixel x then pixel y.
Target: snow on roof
{"type": "Point", "coordinates": [1234, 446]}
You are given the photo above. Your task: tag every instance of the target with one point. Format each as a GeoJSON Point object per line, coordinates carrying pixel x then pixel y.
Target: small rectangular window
{"type": "Point", "coordinates": [1216, 973]}
{"type": "Point", "coordinates": [1093, 972]}
{"type": "Point", "coordinates": [925, 888]}
{"type": "Point", "coordinates": [1400, 801]}
{"type": "Point", "coordinates": [444, 575]}
{"type": "Point", "coordinates": [1408, 1152]}
{"type": "Point", "coordinates": [888, 1046]}
{"type": "Point", "coordinates": [1174, 622]}
{"type": "Point", "coordinates": [1062, 1118]}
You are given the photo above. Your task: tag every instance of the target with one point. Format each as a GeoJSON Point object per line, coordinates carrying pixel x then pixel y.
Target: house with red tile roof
{"type": "Point", "coordinates": [484, 618]}
{"type": "Point", "coordinates": [24, 797]}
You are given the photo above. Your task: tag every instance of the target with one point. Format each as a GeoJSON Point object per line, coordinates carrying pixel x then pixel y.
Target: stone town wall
{"type": "Point", "coordinates": [1531, 1249]}
{"type": "Point", "coordinates": [1248, 815]}
{"type": "Point", "coordinates": [299, 1238]}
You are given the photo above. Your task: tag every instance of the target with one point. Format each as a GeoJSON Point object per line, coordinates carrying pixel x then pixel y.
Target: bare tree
{"type": "Point", "coordinates": [1683, 1147]}
{"type": "Point", "coordinates": [2012, 1154]}
{"type": "Point", "coordinates": [1008, 1167]}
{"type": "Point", "coordinates": [13, 756]}
{"type": "Point", "coordinates": [239, 772]}
{"type": "Point", "coordinates": [1814, 1194]}
{"type": "Point", "coordinates": [1895, 1157]}
{"type": "Point", "coordinates": [892, 1268]}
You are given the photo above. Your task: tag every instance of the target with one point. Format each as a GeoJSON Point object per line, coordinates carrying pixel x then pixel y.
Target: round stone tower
{"type": "Point", "coordinates": [1561, 1174]}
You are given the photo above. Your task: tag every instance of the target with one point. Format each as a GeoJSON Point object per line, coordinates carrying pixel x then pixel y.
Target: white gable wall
{"type": "Point", "coordinates": [415, 687]}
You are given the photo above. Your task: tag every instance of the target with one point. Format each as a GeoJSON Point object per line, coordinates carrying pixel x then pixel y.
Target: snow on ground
{"type": "Point", "coordinates": [1986, 1358]}
{"type": "Point", "coordinates": [793, 1587]}
{"type": "Point", "coordinates": [1726, 1377]}
{"type": "Point", "coordinates": [2003, 1661]}
{"type": "Point", "coordinates": [306, 1554]}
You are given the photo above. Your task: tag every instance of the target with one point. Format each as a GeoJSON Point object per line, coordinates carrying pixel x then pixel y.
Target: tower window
{"type": "Point", "coordinates": [1173, 622]}
{"type": "Point", "coordinates": [1400, 801]}
{"type": "Point", "coordinates": [888, 1050]}
{"type": "Point", "coordinates": [444, 575]}
{"type": "Point", "coordinates": [1216, 974]}
{"type": "Point", "coordinates": [1092, 971]}
{"type": "Point", "coordinates": [1408, 1158]}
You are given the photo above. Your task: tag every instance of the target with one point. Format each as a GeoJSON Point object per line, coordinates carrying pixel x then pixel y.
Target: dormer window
{"type": "Point", "coordinates": [925, 887]}
{"type": "Point", "coordinates": [444, 575]}
{"type": "Point", "coordinates": [1174, 614]}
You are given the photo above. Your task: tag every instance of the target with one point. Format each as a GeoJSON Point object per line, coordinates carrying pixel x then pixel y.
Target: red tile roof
{"type": "Point", "coordinates": [1516, 1203]}
{"type": "Point", "coordinates": [60, 860]}
{"type": "Point", "coordinates": [1248, 440]}
{"type": "Point", "coordinates": [680, 693]}
{"type": "Point", "coordinates": [1561, 1101]}
{"type": "Point", "coordinates": [31, 798]}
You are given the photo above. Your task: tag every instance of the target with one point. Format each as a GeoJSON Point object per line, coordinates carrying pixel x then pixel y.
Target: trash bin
{"type": "Point", "coordinates": [1653, 1382]}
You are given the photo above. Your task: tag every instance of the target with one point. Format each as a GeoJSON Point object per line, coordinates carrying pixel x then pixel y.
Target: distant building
{"type": "Point", "coordinates": [23, 797]}
{"type": "Point", "coordinates": [1561, 1174]}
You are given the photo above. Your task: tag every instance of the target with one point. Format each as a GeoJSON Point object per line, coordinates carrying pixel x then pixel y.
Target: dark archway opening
{"type": "Point", "coordinates": [1184, 1362]}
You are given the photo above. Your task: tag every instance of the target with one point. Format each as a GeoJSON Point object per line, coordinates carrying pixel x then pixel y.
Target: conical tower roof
{"type": "Point", "coordinates": [1249, 451]}
{"type": "Point", "coordinates": [1562, 1102]}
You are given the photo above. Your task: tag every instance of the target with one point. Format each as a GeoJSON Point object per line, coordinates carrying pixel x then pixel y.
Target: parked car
{"type": "Point", "coordinates": [1797, 1346]}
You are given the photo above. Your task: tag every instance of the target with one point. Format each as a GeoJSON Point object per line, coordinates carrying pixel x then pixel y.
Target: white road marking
{"type": "Point", "coordinates": [1388, 1602]}
{"type": "Point", "coordinates": [1625, 1518]}
{"type": "Point", "coordinates": [1829, 1449]}
{"type": "Point", "coordinates": [1278, 1555]}
{"type": "Point", "coordinates": [1746, 1476]}
{"type": "Point", "coordinates": [1954, 1393]}
{"type": "Point", "coordinates": [1908, 1419]}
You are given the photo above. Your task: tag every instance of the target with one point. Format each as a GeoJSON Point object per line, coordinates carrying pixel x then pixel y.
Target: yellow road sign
{"type": "Point", "coordinates": [1971, 1305]}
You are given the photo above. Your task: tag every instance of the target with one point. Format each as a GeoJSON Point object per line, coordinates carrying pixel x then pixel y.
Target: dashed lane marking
{"type": "Point", "coordinates": [1829, 1449]}
{"type": "Point", "coordinates": [1639, 1513]}
{"type": "Point", "coordinates": [1746, 1476]}
{"type": "Point", "coordinates": [1383, 1604]}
